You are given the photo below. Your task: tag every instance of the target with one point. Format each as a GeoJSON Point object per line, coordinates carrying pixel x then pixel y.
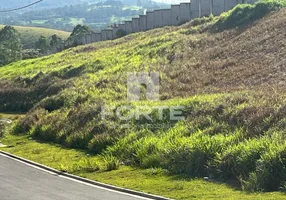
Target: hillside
{"type": "Point", "coordinates": [230, 82]}
{"type": "Point", "coordinates": [29, 35]}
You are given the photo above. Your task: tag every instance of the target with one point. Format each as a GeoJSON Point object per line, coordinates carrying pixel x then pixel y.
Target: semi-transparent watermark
{"type": "Point", "coordinates": [144, 86]}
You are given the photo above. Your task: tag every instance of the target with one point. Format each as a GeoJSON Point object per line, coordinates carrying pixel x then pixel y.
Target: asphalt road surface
{"type": "Point", "coordinates": [19, 181]}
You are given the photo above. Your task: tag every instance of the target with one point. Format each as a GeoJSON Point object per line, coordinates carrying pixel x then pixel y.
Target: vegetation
{"type": "Point", "coordinates": [245, 13]}
{"type": "Point", "coordinates": [96, 14]}
{"type": "Point", "coordinates": [231, 84]}
{"type": "Point", "coordinates": [154, 180]}
{"type": "Point", "coordinates": [10, 46]}
{"type": "Point", "coordinates": [29, 35]}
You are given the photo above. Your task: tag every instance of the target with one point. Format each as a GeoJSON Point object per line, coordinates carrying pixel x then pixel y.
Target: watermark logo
{"type": "Point", "coordinates": [137, 80]}
{"type": "Point", "coordinates": [144, 86]}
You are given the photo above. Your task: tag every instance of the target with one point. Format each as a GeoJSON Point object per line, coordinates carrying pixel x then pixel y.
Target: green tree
{"type": "Point", "coordinates": [55, 41]}
{"type": "Point", "coordinates": [81, 30]}
{"type": "Point", "coordinates": [43, 44]}
{"type": "Point", "coordinates": [10, 45]}
{"type": "Point", "coordinates": [78, 31]}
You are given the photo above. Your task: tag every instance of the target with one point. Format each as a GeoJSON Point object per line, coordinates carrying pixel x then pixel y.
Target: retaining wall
{"type": "Point", "coordinates": [195, 9]}
{"type": "Point", "coordinates": [104, 35]}
{"type": "Point", "coordinates": [176, 15]}
{"type": "Point", "coordinates": [88, 39]}
{"type": "Point", "coordinates": [114, 31]}
{"type": "Point", "coordinates": [135, 25]}
{"type": "Point", "coordinates": [158, 22]}
{"type": "Point", "coordinates": [229, 4]}
{"type": "Point", "coordinates": [128, 27]}
{"type": "Point", "coordinates": [167, 17]}
{"type": "Point", "coordinates": [205, 7]}
{"type": "Point", "coordinates": [142, 22]}
{"type": "Point", "coordinates": [185, 12]}
{"type": "Point", "coordinates": [150, 20]}
{"type": "Point", "coordinates": [109, 34]}
{"type": "Point", "coordinates": [217, 7]}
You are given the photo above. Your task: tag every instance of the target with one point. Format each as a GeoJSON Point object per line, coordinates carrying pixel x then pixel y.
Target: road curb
{"type": "Point", "coordinates": [78, 178]}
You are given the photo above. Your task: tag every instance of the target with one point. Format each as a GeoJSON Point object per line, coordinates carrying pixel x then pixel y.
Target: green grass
{"type": "Point", "coordinates": [39, 21]}
{"type": "Point", "coordinates": [244, 14]}
{"type": "Point", "coordinates": [153, 181]}
{"type": "Point", "coordinates": [29, 35]}
{"type": "Point", "coordinates": [234, 101]}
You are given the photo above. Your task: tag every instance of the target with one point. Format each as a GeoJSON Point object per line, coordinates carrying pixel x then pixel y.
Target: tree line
{"type": "Point", "coordinates": [11, 49]}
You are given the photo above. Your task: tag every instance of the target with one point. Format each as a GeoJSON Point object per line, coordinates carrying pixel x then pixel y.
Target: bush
{"type": "Point", "coordinates": [110, 163]}
{"type": "Point", "coordinates": [2, 129]}
{"type": "Point", "coordinates": [190, 157]}
{"type": "Point", "coordinates": [270, 172]}
{"type": "Point", "coordinates": [244, 14]}
{"type": "Point", "coordinates": [238, 161]}
{"type": "Point", "coordinates": [100, 142]}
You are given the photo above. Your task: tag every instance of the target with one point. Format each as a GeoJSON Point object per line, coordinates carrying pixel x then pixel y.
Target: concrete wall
{"type": "Point", "coordinates": [122, 27]}
{"type": "Point", "coordinates": [97, 37]}
{"type": "Point", "coordinates": [150, 20]}
{"type": "Point", "coordinates": [83, 40]}
{"type": "Point", "coordinates": [185, 12]}
{"type": "Point", "coordinates": [88, 38]}
{"type": "Point", "coordinates": [93, 37]}
{"type": "Point", "coordinates": [78, 40]}
{"type": "Point", "coordinates": [114, 31]}
{"type": "Point", "coordinates": [109, 34]}
{"type": "Point", "coordinates": [217, 7]}
{"type": "Point", "coordinates": [135, 25]}
{"type": "Point", "coordinates": [104, 35]}
{"type": "Point", "coordinates": [229, 4]}
{"type": "Point", "coordinates": [167, 17]}
{"type": "Point", "coordinates": [158, 22]}
{"type": "Point", "coordinates": [128, 27]}
{"type": "Point", "coordinates": [142, 22]}
{"type": "Point", "coordinates": [205, 7]}
{"type": "Point", "coordinates": [195, 9]}
{"type": "Point", "coordinates": [175, 15]}
{"type": "Point", "coordinates": [251, 1]}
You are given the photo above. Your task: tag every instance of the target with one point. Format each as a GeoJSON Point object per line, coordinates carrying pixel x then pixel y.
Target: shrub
{"type": "Point", "coordinates": [190, 156]}
{"type": "Point", "coordinates": [110, 163]}
{"type": "Point", "coordinates": [244, 14]}
{"type": "Point", "coordinates": [270, 172]}
{"type": "Point", "coordinates": [239, 160]}
{"type": "Point", "coordinates": [87, 165]}
{"type": "Point", "coordinates": [100, 142]}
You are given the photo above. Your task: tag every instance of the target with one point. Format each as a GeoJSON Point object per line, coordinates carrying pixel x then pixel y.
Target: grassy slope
{"type": "Point", "coordinates": [239, 123]}
{"type": "Point", "coordinates": [29, 35]}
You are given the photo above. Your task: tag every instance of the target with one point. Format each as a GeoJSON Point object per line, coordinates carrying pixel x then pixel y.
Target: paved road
{"type": "Point", "coordinates": [19, 181]}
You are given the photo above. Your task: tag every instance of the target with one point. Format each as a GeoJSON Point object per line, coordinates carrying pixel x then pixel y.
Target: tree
{"type": "Point", "coordinates": [10, 45]}
{"type": "Point", "coordinates": [79, 31]}
{"type": "Point", "coordinates": [43, 44]}
{"type": "Point", "coordinates": [55, 41]}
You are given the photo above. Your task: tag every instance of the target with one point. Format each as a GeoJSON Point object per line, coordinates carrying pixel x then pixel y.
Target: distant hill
{"type": "Point", "coordinates": [53, 3]}
{"type": "Point", "coordinates": [29, 35]}
{"type": "Point", "coordinates": [45, 4]}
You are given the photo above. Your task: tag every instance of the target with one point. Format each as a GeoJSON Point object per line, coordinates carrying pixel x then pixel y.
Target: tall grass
{"type": "Point", "coordinates": [244, 14]}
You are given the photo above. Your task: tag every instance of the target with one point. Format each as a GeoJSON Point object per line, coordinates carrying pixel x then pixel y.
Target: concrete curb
{"type": "Point", "coordinates": [78, 178]}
